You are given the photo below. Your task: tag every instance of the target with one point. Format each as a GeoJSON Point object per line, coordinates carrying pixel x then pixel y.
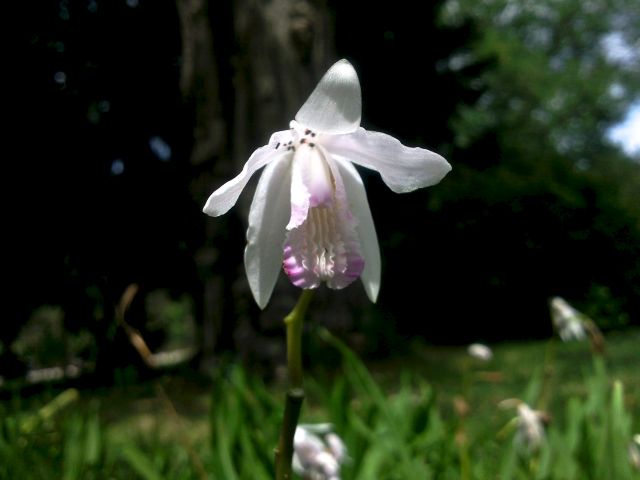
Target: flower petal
{"type": "Point", "coordinates": [299, 195]}
{"type": "Point", "coordinates": [349, 260]}
{"type": "Point", "coordinates": [311, 183]}
{"type": "Point", "coordinates": [403, 169]}
{"type": "Point", "coordinates": [357, 197]}
{"type": "Point", "coordinates": [227, 195]}
{"type": "Point", "coordinates": [268, 217]}
{"type": "Point", "coordinates": [325, 246]}
{"type": "Point", "coordinates": [335, 106]}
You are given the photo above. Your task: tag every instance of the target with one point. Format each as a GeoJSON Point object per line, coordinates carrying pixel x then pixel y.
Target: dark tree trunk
{"type": "Point", "coordinates": [247, 66]}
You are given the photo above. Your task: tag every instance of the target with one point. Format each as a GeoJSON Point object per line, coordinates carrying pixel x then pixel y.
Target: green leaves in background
{"type": "Point", "coordinates": [394, 430]}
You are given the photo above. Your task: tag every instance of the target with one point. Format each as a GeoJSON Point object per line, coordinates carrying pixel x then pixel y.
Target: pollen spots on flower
{"type": "Point", "coordinates": [277, 145]}
{"type": "Point", "coordinates": [302, 134]}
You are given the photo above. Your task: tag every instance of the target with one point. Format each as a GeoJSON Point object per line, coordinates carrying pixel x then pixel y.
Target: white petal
{"type": "Point", "coordinates": [403, 169]}
{"type": "Point", "coordinates": [268, 218]}
{"type": "Point", "coordinates": [336, 447]}
{"type": "Point", "coordinates": [299, 196]}
{"type": "Point", "coordinates": [357, 197]}
{"type": "Point", "coordinates": [311, 183]}
{"type": "Point", "coordinates": [335, 106]}
{"type": "Point", "coordinates": [227, 195]}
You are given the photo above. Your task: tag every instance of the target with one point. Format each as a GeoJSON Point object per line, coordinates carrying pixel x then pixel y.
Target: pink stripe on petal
{"type": "Point", "coordinates": [322, 244]}
{"type": "Point", "coordinates": [324, 248]}
{"type": "Point", "coordinates": [293, 264]}
{"type": "Point", "coordinates": [352, 265]}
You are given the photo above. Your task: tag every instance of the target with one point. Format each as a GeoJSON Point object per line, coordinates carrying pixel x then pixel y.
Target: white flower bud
{"type": "Point", "coordinates": [318, 452]}
{"type": "Point", "coordinates": [480, 351]}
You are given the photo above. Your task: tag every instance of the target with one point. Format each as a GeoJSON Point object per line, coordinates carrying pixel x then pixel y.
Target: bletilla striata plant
{"type": "Point", "coordinates": [310, 212]}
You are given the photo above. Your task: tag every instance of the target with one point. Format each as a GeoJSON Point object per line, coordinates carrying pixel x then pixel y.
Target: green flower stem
{"type": "Point", "coordinates": [548, 372]}
{"type": "Point", "coordinates": [465, 459]}
{"type": "Point", "coordinates": [294, 321]}
{"type": "Point", "coordinates": [295, 394]}
{"type": "Point", "coordinates": [462, 440]}
{"type": "Point", "coordinates": [284, 450]}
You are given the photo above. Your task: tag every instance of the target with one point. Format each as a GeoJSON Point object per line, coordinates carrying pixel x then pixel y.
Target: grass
{"type": "Point", "coordinates": [431, 413]}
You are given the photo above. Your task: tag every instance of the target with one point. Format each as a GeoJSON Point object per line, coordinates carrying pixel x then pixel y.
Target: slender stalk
{"type": "Point", "coordinates": [463, 410]}
{"type": "Point", "coordinates": [465, 459]}
{"type": "Point", "coordinates": [548, 371]}
{"type": "Point", "coordinates": [295, 394]}
{"type": "Point", "coordinates": [595, 337]}
{"type": "Point", "coordinates": [294, 322]}
{"type": "Point", "coordinates": [284, 450]}
{"type": "Point", "coordinates": [147, 356]}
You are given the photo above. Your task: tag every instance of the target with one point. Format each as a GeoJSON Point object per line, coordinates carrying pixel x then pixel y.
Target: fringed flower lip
{"type": "Point", "coordinates": [310, 213]}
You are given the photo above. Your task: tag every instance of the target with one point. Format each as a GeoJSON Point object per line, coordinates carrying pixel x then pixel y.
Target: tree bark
{"type": "Point", "coordinates": [275, 52]}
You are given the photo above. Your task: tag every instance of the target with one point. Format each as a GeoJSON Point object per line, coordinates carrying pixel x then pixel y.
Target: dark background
{"type": "Point", "coordinates": [539, 202]}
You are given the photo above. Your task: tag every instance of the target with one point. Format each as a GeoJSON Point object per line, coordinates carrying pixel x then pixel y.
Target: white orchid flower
{"type": "Point", "coordinates": [567, 320]}
{"type": "Point", "coordinates": [530, 423]}
{"type": "Point", "coordinates": [318, 452]}
{"type": "Point", "coordinates": [530, 427]}
{"type": "Point", "coordinates": [310, 212]}
{"type": "Point", "coordinates": [480, 351]}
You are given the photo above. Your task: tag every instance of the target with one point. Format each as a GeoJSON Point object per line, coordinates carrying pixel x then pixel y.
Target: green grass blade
{"type": "Point", "coordinates": [140, 463]}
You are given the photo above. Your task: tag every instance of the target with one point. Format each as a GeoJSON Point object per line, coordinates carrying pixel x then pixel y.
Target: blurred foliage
{"type": "Point", "coordinates": [42, 339]}
{"type": "Point", "coordinates": [608, 310]}
{"type": "Point", "coordinates": [397, 425]}
{"type": "Point", "coordinates": [518, 95]}
{"type": "Point", "coordinates": [560, 73]}
{"type": "Point", "coordinates": [170, 318]}
{"type": "Point", "coordinates": [539, 201]}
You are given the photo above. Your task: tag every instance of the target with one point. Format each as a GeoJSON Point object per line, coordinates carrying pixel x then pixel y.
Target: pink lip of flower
{"type": "Point", "coordinates": [310, 212]}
